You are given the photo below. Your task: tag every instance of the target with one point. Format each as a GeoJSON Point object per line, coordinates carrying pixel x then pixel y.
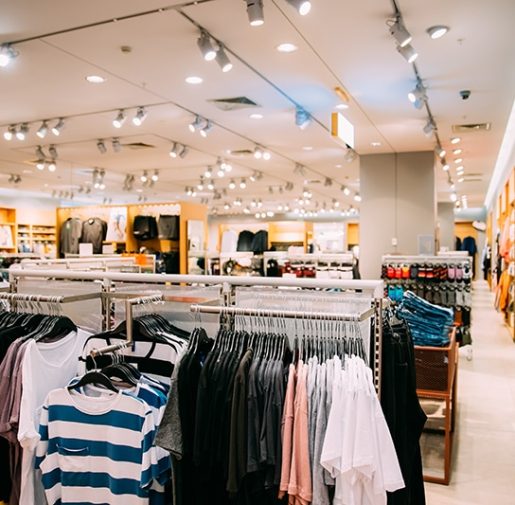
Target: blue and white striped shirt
{"type": "Point", "coordinates": [98, 450]}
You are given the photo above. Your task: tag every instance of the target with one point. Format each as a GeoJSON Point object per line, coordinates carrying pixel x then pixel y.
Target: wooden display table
{"type": "Point", "coordinates": [437, 374]}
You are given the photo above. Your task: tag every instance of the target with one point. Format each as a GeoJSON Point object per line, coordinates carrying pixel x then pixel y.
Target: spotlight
{"type": "Point", "coordinates": [302, 6]}
{"type": "Point", "coordinates": [209, 172]}
{"type": "Point", "coordinates": [184, 151]}
{"type": "Point", "coordinates": [227, 206]}
{"type": "Point", "coordinates": [174, 151]}
{"type": "Point", "coordinates": [328, 182]}
{"type": "Point", "coordinates": [346, 190]}
{"type": "Point", "coordinates": [10, 133]}
{"type": "Point", "coordinates": [258, 153]}
{"type": "Point", "coordinates": [52, 167]}
{"type": "Point", "coordinates": [455, 140]}
{"type": "Point", "coordinates": [220, 172]}
{"type": "Point", "coordinates": [56, 129]}
{"type": "Point", "coordinates": [350, 155]}
{"type": "Point", "coordinates": [255, 12]}
{"type": "Point", "coordinates": [243, 184]}
{"type": "Point", "coordinates": [253, 177]}
{"type": "Point", "coordinates": [223, 60]}
{"type": "Point", "coordinates": [210, 186]}
{"type": "Point", "coordinates": [144, 176]}
{"type": "Point", "coordinates": [119, 119]}
{"type": "Point", "coordinates": [195, 124]}
{"type": "Point", "coordinates": [266, 155]}
{"type": "Point", "coordinates": [188, 190]}
{"type": "Point", "coordinates": [440, 151]}
{"type": "Point", "coordinates": [357, 197]}
{"type": "Point", "coordinates": [43, 130]}
{"type": "Point", "coordinates": [200, 185]}
{"type": "Point", "coordinates": [140, 116]}
{"type": "Point", "coordinates": [117, 147]}
{"type": "Point", "coordinates": [453, 196]}
{"type": "Point", "coordinates": [21, 134]}
{"type": "Point", "coordinates": [302, 118]}
{"type": "Point", "coordinates": [400, 33]}
{"type": "Point", "coordinates": [53, 152]}
{"type": "Point", "coordinates": [206, 129]}
{"type": "Point", "coordinates": [458, 161]}
{"type": "Point", "coordinates": [429, 128]}
{"type": "Point", "coordinates": [205, 46]}
{"type": "Point", "coordinates": [232, 184]}
{"type": "Point", "coordinates": [417, 96]}
{"type": "Point", "coordinates": [101, 146]}
{"type": "Point", "coordinates": [457, 151]}
{"type": "Point", "coordinates": [155, 175]}
{"type": "Point", "coordinates": [409, 54]}
{"type": "Point", "coordinates": [39, 153]}
{"type": "Point", "coordinates": [445, 166]}
{"type": "Point", "coordinates": [226, 166]}
{"type": "Point", "coordinates": [102, 186]}
{"type": "Point", "coordinates": [7, 54]}
{"type": "Point", "coordinates": [40, 164]}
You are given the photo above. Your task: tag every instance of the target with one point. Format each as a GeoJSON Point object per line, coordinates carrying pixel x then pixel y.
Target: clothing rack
{"type": "Point", "coordinates": [374, 288]}
{"type": "Point", "coordinates": [289, 314]}
{"type": "Point", "coordinates": [451, 258]}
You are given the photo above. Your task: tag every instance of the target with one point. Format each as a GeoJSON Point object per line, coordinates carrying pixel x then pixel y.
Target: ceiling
{"type": "Point", "coordinates": [344, 44]}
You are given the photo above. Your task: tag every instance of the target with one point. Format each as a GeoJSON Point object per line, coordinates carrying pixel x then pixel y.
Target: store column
{"type": "Point", "coordinates": [398, 208]}
{"type": "Point", "coordinates": [446, 225]}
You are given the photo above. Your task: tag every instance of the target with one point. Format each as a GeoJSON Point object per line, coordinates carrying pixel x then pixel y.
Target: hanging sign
{"type": "Point", "coordinates": [342, 130]}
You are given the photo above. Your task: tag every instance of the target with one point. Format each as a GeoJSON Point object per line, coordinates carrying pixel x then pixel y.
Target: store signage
{"type": "Point", "coordinates": [342, 130]}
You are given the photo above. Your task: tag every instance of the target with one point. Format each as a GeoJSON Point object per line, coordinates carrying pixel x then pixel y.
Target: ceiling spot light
{"type": "Point", "coordinates": [117, 146]}
{"type": "Point", "coordinates": [40, 164]}
{"type": "Point", "coordinates": [255, 12]}
{"type": "Point", "coordinates": [206, 129]}
{"type": "Point", "coordinates": [258, 153]}
{"type": "Point", "coordinates": [409, 54]}
{"type": "Point", "coordinates": [417, 96]}
{"type": "Point", "coordinates": [375, 144]}
{"type": "Point", "coordinates": [440, 151]}
{"type": "Point", "coordinates": [205, 46]}
{"type": "Point", "coordinates": [155, 175]}
{"type": "Point", "coordinates": [56, 129]}
{"type": "Point", "coordinates": [455, 140]}
{"type": "Point", "coordinates": [400, 33]}
{"type": "Point", "coordinates": [429, 128]}
{"type": "Point", "coordinates": [174, 151]}
{"type": "Point", "coordinates": [461, 168]}
{"type": "Point", "coordinates": [223, 60]}
{"type": "Point", "coordinates": [140, 116]}
{"type": "Point", "coordinates": [210, 185]}
{"type": "Point", "coordinates": [101, 146]}
{"type": "Point", "coordinates": [287, 47]}
{"type": "Point", "coordinates": [95, 79]}
{"type": "Point", "coordinates": [184, 152]}
{"type": "Point", "coordinates": [226, 166]}
{"type": "Point", "coordinates": [303, 6]}
{"type": "Point", "coordinates": [453, 196]}
{"type": "Point", "coordinates": [445, 165]}
{"type": "Point", "coordinates": [119, 119]}
{"type": "Point", "coordinates": [302, 118]}
{"type": "Point", "coordinates": [457, 151]}
{"type": "Point", "coordinates": [10, 133]}
{"type": "Point", "coordinates": [43, 130]}
{"type": "Point", "coordinates": [458, 160]}
{"type": "Point", "coordinates": [437, 31]}
{"type": "Point", "coordinates": [342, 106]}
{"type": "Point", "coordinates": [220, 172]}
{"type": "Point", "coordinates": [21, 134]}
{"type": "Point", "coordinates": [461, 179]}
{"type": "Point", "coordinates": [357, 197]}
{"type": "Point", "coordinates": [195, 124]}
{"type": "Point", "coordinates": [193, 79]}
{"type": "Point", "coordinates": [243, 183]}
{"type": "Point", "coordinates": [144, 176]}
{"type": "Point", "coordinates": [266, 155]}
{"type": "Point", "coordinates": [208, 173]}
{"type": "Point", "coordinates": [53, 152]}
{"type": "Point", "coordinates": [7, 54]}
{"type": "Point", "coordinates": [232, 184]}
{"type": "Point", "coordinates": [52, 167]}
{"type": "Point", "coordinates": [256, 116]}
{"type": "Point", "coordinates": [200, 185]}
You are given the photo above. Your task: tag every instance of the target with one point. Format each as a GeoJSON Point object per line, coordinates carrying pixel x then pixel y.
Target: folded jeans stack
{"type": "Point", "coordinates": [429, 324]}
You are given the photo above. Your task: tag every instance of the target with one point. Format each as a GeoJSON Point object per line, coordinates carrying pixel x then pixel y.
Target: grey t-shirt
{"type": "Point", "coordinates": [71, 231]}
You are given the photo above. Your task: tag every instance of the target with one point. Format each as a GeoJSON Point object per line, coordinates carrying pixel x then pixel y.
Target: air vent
{"type": "Point", "coordinates": [236, 103]}
{"type": "Point", "coordinates": [473, 127]}
{"type": "Point", "coordinates": [473, 177]}
{"type": "Point", "coordinates": [138, 145]}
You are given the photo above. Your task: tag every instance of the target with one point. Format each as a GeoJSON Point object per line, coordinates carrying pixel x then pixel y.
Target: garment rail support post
{"type": "Point", "coordinates": [378, 343]}
{"type": "Point", "coordinates": [107, 305]}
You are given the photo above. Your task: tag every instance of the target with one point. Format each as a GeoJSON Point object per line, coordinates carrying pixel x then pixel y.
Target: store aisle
{"type": "Point", "coordinates": [484, 451]}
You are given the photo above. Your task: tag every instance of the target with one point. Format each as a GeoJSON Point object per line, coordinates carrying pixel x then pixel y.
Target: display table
{"type": "Point", "coordinates": [437, 373]}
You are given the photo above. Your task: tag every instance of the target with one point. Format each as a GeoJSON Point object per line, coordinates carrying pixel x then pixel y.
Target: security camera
{"type": "Point", "coordinates": [465, 94]}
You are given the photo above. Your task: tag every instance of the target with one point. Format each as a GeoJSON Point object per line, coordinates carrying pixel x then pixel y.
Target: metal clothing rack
{"type": "Point", "coordinates": [374, 288]}
{"type": "Point", "coordinates": [441, 258]}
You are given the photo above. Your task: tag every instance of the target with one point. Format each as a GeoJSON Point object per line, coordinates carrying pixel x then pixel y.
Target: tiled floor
{"type": "Point", "coordinates": [484, 451]}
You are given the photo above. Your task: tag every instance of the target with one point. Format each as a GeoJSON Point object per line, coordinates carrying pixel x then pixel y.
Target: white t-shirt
{"type": "Point", "coordinates": [45, 366]}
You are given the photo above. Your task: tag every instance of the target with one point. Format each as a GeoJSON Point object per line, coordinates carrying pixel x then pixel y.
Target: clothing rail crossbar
{"type": "Point", "coordinates": [289, 314]}
{"type": "Point", "coordinates": [374, 287]}
{"type": "Point", "coordinates": [27, 297]}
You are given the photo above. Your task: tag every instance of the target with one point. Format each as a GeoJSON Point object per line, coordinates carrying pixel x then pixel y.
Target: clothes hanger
{"type": "Point", "coordinates": [94, 377]}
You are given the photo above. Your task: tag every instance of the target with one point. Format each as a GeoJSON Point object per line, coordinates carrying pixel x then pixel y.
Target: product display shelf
{"type": "Point", "coordinates": [36, 238]}
{"type": "Point", "coordinates": [8, 230]}
{"type": "Point", "coordinates": [437, 379]}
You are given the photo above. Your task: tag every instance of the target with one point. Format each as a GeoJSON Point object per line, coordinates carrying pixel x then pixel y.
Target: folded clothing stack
{"type": "Point", "coordinates": [429, 324]}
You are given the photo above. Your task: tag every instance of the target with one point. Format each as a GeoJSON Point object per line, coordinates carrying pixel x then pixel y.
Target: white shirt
{"type": "Point", "coordinates": [45, 366]}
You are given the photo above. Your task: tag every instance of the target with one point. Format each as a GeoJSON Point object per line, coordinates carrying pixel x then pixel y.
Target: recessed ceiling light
{"type": "Point", "coordinates": [435, 32]}
{"type": "Point", "coordinates": [338, 166]}
{"type": "Point", "coordinates": [455, 140]}
{"type": "Point", "coordinates": [95, 79]}
{"type": "Point", "coordinates": [458, 160]}
{"type": "Point", "coordinates": [375, 144]}
{"type": "Point", "coordinates": [287, 47]}
{"type": "Point", "coordinates": [193, 79]}
{"type": "Point", "coordinates": [342, 106]}
{"type": "Point", "coordinates": [255, 116]}
{"type": "Point", "coordinates": [307, 148]}
{"type": "Point", "coordinates": [457, 151]}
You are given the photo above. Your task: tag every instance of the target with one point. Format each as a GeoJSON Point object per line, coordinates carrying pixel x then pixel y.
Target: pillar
{"type": "Point", "coordinates": [446, 225]}
{"type": "Point", "coordinates": [398, 208]}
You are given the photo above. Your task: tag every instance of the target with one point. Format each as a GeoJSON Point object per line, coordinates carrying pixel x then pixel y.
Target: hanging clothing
{"type": "Point", "coordinates": [94, 231]}
{"type": "Point", "coordinates": [245, 239]}
{"type": "Point", "coordinates": [168, 227]}
{"type": "Point", "coordinates": [71, 231]}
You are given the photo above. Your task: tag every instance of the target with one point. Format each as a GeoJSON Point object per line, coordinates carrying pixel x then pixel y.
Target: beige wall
{"type": "Point", "coordinates": [446, 225]}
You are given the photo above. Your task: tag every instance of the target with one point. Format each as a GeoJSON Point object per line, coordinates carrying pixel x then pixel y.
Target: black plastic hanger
{"type": "Point", "coordinates": [94, 377]}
